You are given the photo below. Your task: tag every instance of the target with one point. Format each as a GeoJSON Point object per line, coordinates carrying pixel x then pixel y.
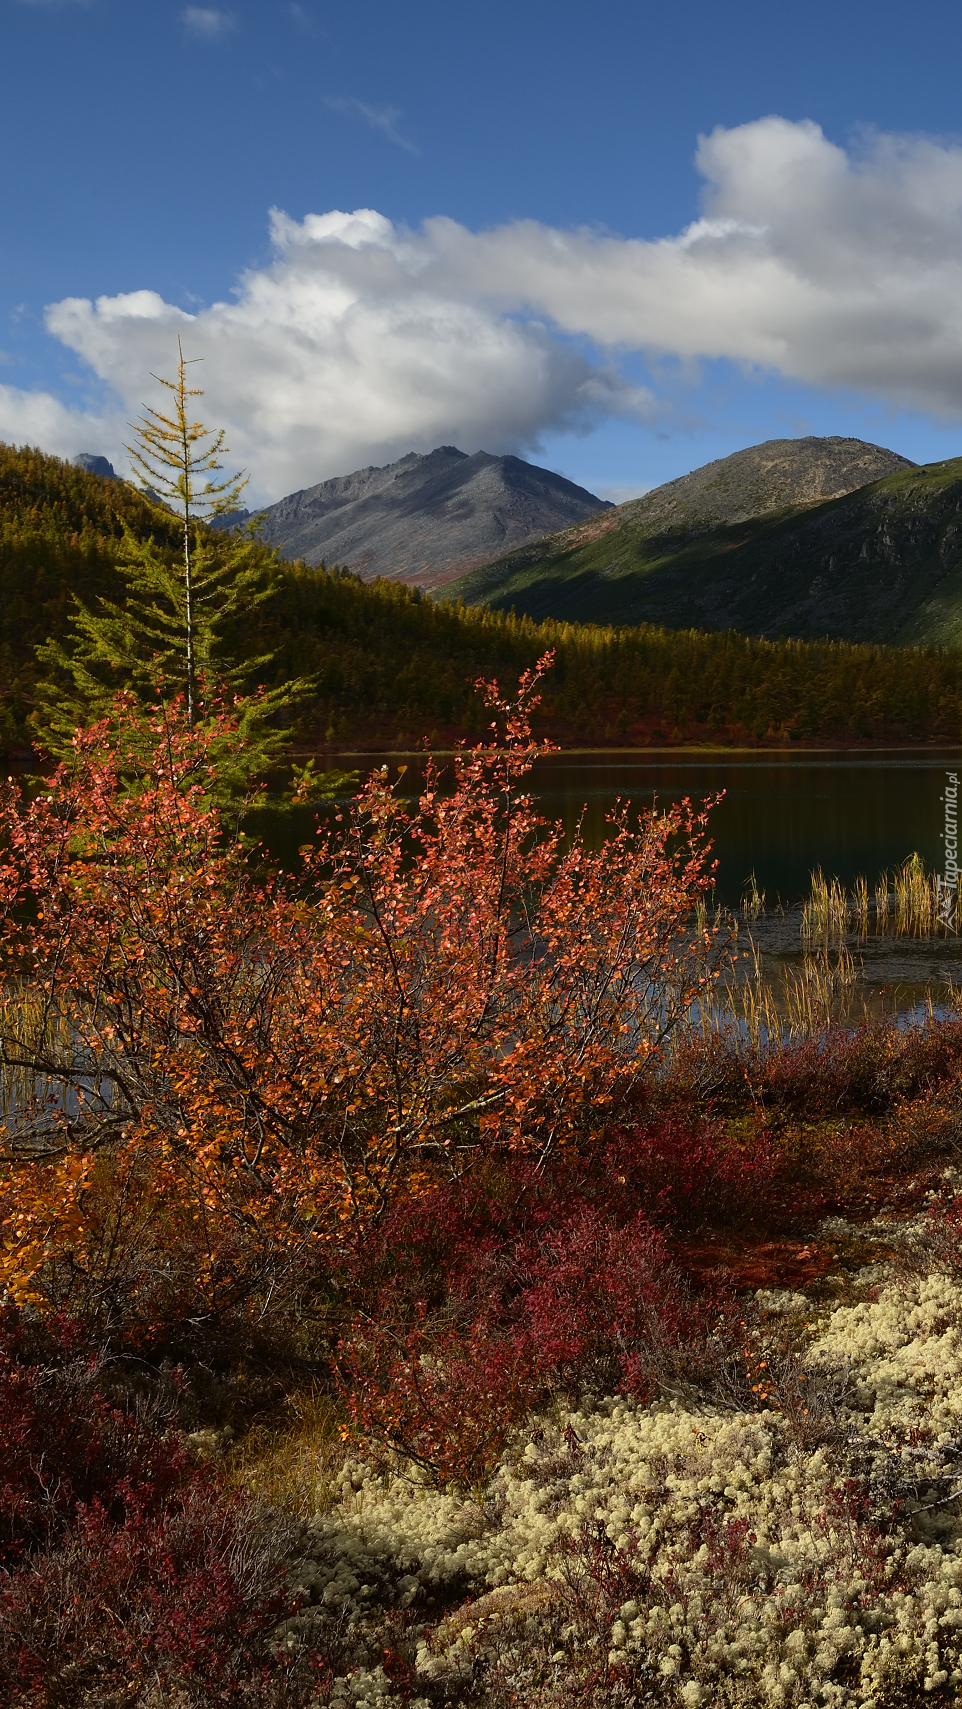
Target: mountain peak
{"type": "Point", "coordinates": [427, 518]}
{"type": "Point", "coordinates": [94, 464]}
{"type": "Point", "coordinates": [756, 541]}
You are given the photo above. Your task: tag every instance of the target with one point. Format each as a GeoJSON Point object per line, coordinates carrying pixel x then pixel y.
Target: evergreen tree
{"type": "Point", "coordinates": [170, 635]}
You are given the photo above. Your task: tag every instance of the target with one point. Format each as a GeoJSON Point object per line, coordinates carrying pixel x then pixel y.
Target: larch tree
{"type": "Point", "coordinates": [171, 635]}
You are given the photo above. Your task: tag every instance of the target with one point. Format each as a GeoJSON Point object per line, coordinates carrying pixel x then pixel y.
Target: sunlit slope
{"type": "Point", "coordinates": [391, 667]}
{"type": "Point", "coordinates": [882, 563]}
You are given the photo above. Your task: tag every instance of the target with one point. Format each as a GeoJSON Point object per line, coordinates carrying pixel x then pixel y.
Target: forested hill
{"type": "Point", "coordinates": [392, 667]}
{"type": "Point", "coordinates": [58, 529]}
{"type": "Point", "coordinates": [880, 563]}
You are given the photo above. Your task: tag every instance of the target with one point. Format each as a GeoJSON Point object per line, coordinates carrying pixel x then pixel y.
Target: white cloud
{"type": "Point", "coordinates": [383, 119]}
{"type": "Point", "coordinates": [621, 495]}
{"type": "Point", "coordinates": [362, 340]}
{"type": "Point", "coordinates": [834, 268]}
{"type": "Point", "coordinates": [345, 353]}
{"type": "Point", "coordinates": [36, 418]}
{"type": "Point", "coordinates": [208, 21]}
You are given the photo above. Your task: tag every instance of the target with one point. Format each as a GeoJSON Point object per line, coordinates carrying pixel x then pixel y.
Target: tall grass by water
{"type": "Point", "coordinates": [905, 903]}
{"type": "Point", "coordinates": [803, 996]}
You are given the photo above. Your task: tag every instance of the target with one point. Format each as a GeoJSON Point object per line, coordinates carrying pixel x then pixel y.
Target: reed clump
{"type": "Point", "coordinates": [916, 907]}
{"type": "Point", "coordinates": [825, 915]}
{"type": "Point", "coordinates": [32, 1031]}
{"type": "Point", "coordinates": [905, 902]}
{"type": "Point", "coordinates": [883, 902]}
{"type": "Point", "coordinates": [753, 901]}
{"type": "Point", "coordinates": [819, 992]}
{"type": "Point", "coordinates": [795, 1002]}
{"type": "Point", "coordinates": [859, 907]}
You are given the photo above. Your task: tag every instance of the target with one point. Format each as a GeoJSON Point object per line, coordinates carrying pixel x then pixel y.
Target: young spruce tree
{"type": "Point", "coordinates": [170, 635]}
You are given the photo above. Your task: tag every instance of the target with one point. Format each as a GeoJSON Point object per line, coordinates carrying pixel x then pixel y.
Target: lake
{"type": "Point", "coordinates": [851, 813]}
{"type": "Point", "coordinates": [783, 815]}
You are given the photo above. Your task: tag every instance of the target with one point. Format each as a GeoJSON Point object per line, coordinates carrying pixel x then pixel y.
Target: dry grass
{"type": "Point", "coordinates": [293, 1464]}
{"type": "Point", "coordinates": [820, 991]}
{"type": "Point", "coordinates": [753, 901]}
{"type": "Point", "coordinates": [825, 914]}
{"type": "Point", "coordinates": [30, 1026]}
{"type": "Point", "coordinates": [905, 902]}
{"type": "Point", "coordinates": [800, 1001]}
{"type": "Point", "coordinates": [916, 910]}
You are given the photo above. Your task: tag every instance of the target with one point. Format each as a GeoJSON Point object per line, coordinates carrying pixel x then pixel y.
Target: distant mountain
{"type": "Point", "coordinates": [93, 464]}
{"type": "Point", "coordinates": [802, 537]}
{"type": "Point", "coordinates": [425, 519]}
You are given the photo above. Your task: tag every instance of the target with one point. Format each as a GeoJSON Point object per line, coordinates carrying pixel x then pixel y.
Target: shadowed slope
{"type": "Point", "coordinates": [796, 537]}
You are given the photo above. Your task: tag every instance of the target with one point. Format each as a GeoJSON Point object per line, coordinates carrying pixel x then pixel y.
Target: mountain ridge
{"type": "Point", "coordinates": [392, 668]}
{"type": "Point", "coordinates": [426, 518]}
{"type": "Point", "coordinates": [805, 561]}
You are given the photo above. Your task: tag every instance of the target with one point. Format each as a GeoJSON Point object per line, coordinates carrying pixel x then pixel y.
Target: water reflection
{"type": "Point", "coordinates": [783, 816]}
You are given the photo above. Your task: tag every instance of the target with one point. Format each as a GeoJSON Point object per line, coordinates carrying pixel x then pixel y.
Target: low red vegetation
{"type": "Point", "coordinates": [121, 1562]}
{"type": "Point", "coordinates": [478, 1301]}
{"type": "Point", "coordinates": [615, 1266]}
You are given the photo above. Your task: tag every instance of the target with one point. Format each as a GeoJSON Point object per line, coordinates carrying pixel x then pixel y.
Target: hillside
{"type": "Point", "coordinates": [392, 667]}
{"type": "Point", "coordinates": [59, 525]}
{"type": "Point", "coordinates": [425, 519]}
{"type": "Point", "coordinates": [881, 562]}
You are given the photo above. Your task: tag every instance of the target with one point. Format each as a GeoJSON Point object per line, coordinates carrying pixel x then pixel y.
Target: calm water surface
{"type": "Point", "coordinates": [782, 815]}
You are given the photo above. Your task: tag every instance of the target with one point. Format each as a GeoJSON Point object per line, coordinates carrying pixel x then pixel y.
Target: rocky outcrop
{"type": "Point", "coordinates": [95, 465]}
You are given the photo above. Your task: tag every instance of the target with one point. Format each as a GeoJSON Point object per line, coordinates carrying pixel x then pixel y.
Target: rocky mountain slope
{"type": "Point", "coordinates": [426, 519]}
{"type": "Point", "coordinates": [802, 537]}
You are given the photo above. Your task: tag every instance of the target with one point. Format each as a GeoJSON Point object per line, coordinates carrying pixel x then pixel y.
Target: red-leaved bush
{"type": "Point", "coordinates": [476, 1302]}
{"type": "Point", "coordinates": [122, 1564]}
{"type": "Point", "coordinates": [211, 1079]}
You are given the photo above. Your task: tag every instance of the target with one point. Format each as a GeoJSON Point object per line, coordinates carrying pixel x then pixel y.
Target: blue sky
{"type": "Point", "coordinates": [553, 304]}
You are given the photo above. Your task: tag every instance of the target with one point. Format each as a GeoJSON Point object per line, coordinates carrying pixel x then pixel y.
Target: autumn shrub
{"type": "Point", "coordinates": [212, 1075]}
{"type": "Point", "coordinates": [122, 1563]}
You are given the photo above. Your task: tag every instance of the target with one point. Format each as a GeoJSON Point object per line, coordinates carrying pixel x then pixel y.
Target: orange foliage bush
{"type": "Point", "coordinates": [209, 1072]}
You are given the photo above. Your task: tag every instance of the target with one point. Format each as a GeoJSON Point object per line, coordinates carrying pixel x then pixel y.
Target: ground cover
{"type": "Point", "coordinates": [673, 1421]}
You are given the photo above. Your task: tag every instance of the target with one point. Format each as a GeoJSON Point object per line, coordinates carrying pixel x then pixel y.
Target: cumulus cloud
{"type": "Point", "coordinates": [383, 119]}
{"type": "Point", "coordinates": [208, 21]}
{"type": "Point", "coordinates": [362, 340]}
{"type": "Point", "coordinates": [343, 353]}
{"type": "Point", "coordinates": [36, 418]}
{"type": "Point", "coordinates": [832, 267]}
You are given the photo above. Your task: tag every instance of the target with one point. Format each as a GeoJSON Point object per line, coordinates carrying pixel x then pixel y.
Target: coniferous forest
{"type": "Point", "coordinates": [390, 667]}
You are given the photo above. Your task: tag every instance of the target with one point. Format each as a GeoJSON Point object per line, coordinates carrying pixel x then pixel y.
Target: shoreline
{"type": "Point", "coordinates": [714, 750]}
